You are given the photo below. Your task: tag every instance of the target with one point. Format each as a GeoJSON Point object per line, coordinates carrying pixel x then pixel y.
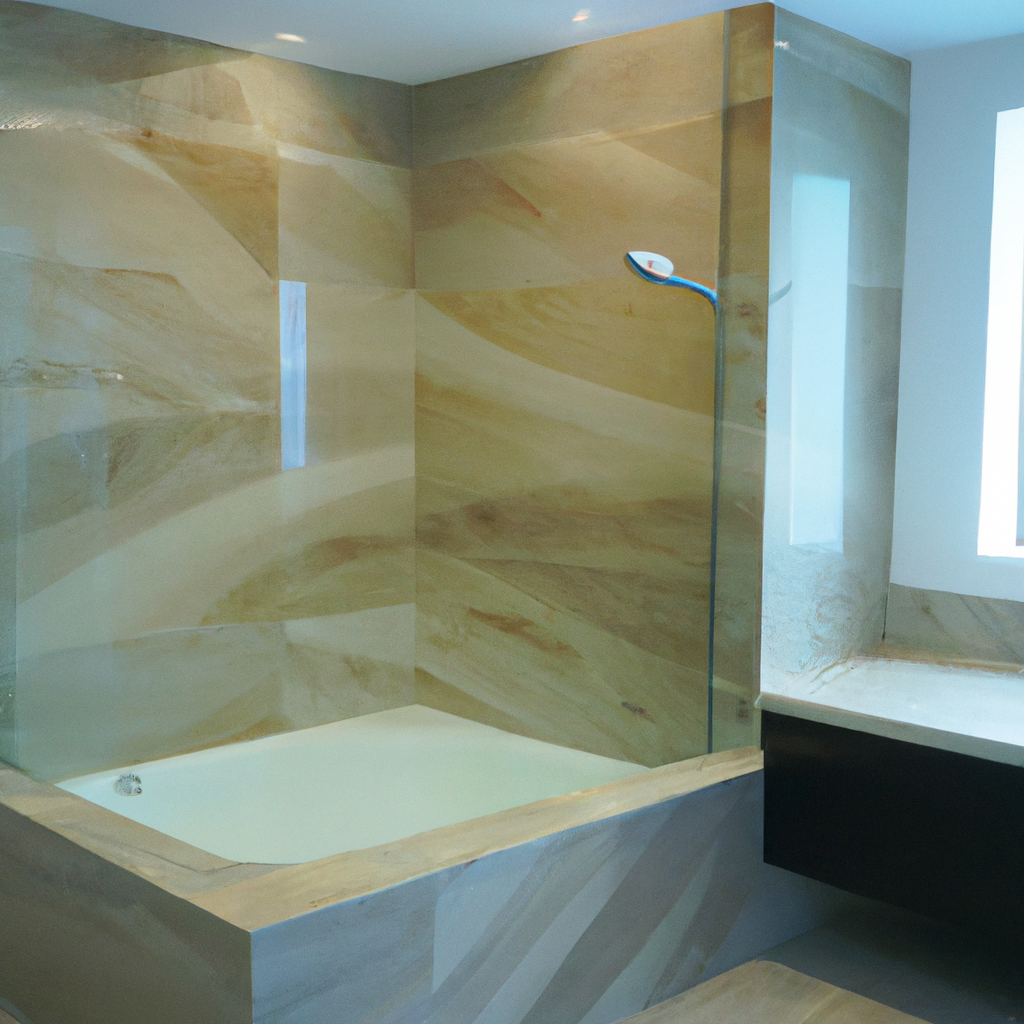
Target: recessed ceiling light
{"type": "Point", "coordinates": [289, 38]}
{"type": "Point", "coordinates": [582, 15]}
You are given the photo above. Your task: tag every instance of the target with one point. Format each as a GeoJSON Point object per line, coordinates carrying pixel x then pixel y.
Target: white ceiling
{"type": "Point", "coordinates": [417, 41]}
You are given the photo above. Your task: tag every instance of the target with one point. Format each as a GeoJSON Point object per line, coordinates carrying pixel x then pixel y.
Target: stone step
{"type": "Point", "coordinates": [761, 992]}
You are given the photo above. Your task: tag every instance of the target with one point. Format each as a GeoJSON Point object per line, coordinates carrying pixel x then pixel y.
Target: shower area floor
{"type": "Point", "coordinates": [348, 785]}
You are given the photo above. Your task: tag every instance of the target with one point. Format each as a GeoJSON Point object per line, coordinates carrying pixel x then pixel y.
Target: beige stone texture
{"type": "Point", "coordinates": [761, 992]}
{"type": "Point", "coordinates": [564, 407]}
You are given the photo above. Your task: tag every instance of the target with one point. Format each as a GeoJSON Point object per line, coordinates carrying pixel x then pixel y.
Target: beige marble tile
{"type": "Point", "coordinates": [610, 332]}
{"type": "Point", "coordinates": [564, 407]}
{"type": "Point", "coordinates": [95, 49]}
{"type": "Point", "coordinates": [85, 941]}
{"type": "Point", "coordinates": [565, 547]}
{"type": "Point", "coordinates": [761, 992]}
{"type": "Point", "coordinates": [136, 280]}
{"type": "Point", "coordinates": [360, 357]}
{"type": "Point", "coordinates": [164, 693]}
{"type": "Point", "coordinates": [343, 220]}
{"type": "Point", "coordinates": [547, 672]}
{"type": "Point", "coordinates": [933, 624]}
{"type": "Point", "coordinates": [347, 115]}
{"type": "Point", "coordinates": [566, 211]}
{"type": "Point", "coordinates": [197, 559]}
{"type": "Point", "coordinates": [582, 908]}
{"type": "Point", "coordinates": [205, 90]}
{"type": "Point", "coordinates": [657, 77]}
{"type": "Point", "coordinates": [236, 187]}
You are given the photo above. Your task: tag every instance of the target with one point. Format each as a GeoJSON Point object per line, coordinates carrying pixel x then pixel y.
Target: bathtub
{"type": "Point", "coordinates": [358, 783]}
{"type": "Point", "coordinates": [580, 908]}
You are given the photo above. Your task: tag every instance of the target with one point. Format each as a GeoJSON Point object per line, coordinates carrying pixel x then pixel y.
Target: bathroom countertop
{"type": "Point", "coordinates": [965, 710]}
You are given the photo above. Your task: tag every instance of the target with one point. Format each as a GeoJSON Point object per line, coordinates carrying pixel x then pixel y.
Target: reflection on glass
{"type": "Point", "coordinates": [820, 266]}
{"type": "Point", "coordinates": [293, 374]}
{"type": "Point", "coordinates": [999, 527]}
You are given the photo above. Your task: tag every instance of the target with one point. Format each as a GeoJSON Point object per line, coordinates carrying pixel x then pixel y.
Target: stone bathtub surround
{"type": "Point", "coordinates": [584, 908]}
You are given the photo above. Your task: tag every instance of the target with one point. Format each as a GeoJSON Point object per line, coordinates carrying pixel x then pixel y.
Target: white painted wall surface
{"type": "Point", "coordinates": [956, 94]}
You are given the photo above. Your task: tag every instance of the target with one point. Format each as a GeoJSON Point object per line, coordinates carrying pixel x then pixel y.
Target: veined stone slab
{"type": "Point", "coordinates": [761, 992]}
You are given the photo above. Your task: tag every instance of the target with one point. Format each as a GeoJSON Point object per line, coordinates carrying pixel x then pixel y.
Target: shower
{"type": "Point", "coordinates": [659, 270]}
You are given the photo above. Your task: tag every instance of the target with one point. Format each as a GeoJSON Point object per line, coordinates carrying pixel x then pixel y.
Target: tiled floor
{"type": "Point", "coordinates": [761, 992]}
{"type": "Point", "coordinates": [873, 964]}
{"type": "Point", "coordinates": [912, 963]}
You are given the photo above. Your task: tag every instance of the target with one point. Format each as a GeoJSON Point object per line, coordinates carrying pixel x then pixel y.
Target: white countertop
{"type": "Point", "coordinates": [966, 710]}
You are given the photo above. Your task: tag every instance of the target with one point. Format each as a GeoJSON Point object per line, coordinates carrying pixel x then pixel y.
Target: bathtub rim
{"type": "Point", "coordinates": [255, 896]}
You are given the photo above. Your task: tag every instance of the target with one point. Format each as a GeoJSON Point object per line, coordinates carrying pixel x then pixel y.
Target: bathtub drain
{"type": "Point", "coordinates": [128, 785]}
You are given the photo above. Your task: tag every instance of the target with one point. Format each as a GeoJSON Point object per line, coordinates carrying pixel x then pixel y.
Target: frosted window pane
{"type": "Point", "coordinates": [998, 516]}
{"type": "Point", "coordinates": [820, 261]}
{"type": "Point", "coordinates": [293, 374]}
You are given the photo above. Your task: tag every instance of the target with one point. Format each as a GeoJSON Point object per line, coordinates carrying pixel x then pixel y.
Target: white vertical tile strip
{"type": "Point", "coordinates": [820, 267]}
{"type": "Point", "coordinates": [293, 373]}
{"type": "Point", "coordinates": [998, 514]}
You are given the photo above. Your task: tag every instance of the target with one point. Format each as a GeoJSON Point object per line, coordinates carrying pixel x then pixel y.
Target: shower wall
{"type": "Point", "coordinates": [564, 407]}
{"type": "Point", "coordinates": [165, 585]}
{"type": "Point", "coordinates": [502, 503]}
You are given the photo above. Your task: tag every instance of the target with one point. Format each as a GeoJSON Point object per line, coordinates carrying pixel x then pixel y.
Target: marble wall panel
{"type": "Point", "coordinates": [583, 927]}
{"type": "Point", "coordinates": [841, 111]}
{"type": "Point", "coordinates": [155, 191]}
{"type": "Point", "coordinates": [936, 624]}
{"type": "Point", "coordinates": [564, 407]}
{"type": "Point", "coordinates": [183, 689]}
{"type": "Point", "coordinates": [665, 75]}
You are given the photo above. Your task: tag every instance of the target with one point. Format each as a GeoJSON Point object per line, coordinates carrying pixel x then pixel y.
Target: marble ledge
{"type": "Point", "coordinates": [253, 896]}
{"type": "Point", "coordinates": [762, 992]}
{"type": "Point", "coordinates": [949, 707]}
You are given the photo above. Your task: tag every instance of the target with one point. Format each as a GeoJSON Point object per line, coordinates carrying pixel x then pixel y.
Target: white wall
{"type": "Point", "coordinates": [955, 96]}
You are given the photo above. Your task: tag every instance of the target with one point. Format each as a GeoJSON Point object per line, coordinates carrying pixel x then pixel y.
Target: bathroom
{"type": "Point", "coordinates": [331, 404]}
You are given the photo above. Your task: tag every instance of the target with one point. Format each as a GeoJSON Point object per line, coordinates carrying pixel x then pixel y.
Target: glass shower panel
{"type": "Point", "coordinates": [174, 589]}
{"type": "Point", "coordinates": [741, 360]}
{"type": "Point", "coordinates": [838, 211]}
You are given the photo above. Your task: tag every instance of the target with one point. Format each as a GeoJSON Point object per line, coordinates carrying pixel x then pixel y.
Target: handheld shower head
{"type": "Point", "coordinates": [659, 270]}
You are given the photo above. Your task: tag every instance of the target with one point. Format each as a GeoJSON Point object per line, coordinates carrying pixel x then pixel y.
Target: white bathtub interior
{"type": "Point", "coordinates": [344, 786]}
